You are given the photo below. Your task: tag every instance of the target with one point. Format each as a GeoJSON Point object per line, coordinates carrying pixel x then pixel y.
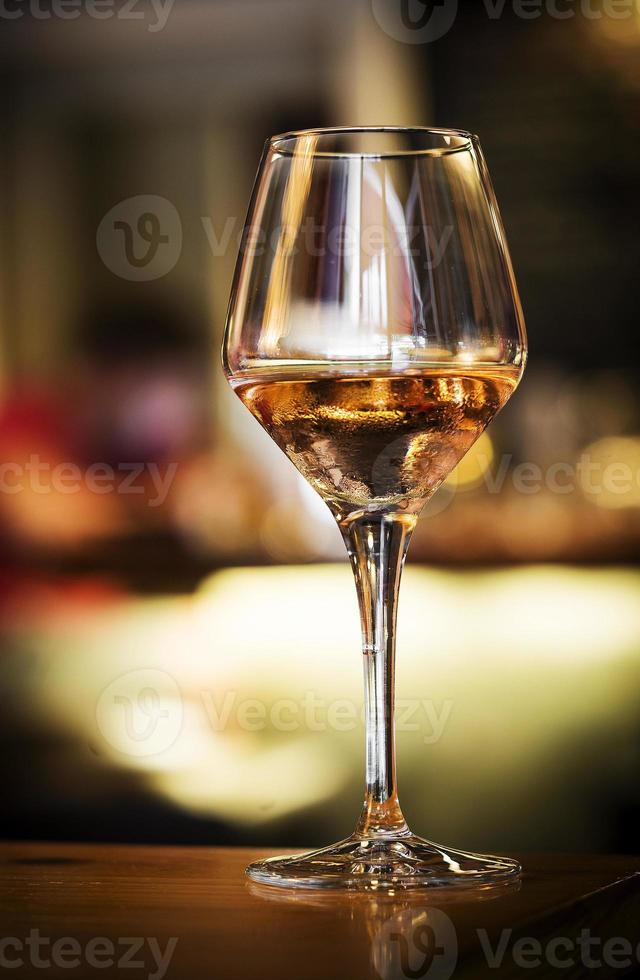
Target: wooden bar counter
{"type": "Point", "coordinates": [92, 910]}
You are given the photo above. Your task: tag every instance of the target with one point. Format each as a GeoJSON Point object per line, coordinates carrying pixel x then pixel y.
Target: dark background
{"type": "Point", "coordinates": [520, 609]}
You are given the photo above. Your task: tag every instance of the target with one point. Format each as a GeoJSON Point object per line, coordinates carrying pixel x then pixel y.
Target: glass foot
{"type": "Point", "coordinates": [373, 863]}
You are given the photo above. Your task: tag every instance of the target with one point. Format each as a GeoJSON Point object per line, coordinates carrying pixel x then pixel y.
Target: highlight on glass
{"type": "Point", "coordinates": [374, 331]}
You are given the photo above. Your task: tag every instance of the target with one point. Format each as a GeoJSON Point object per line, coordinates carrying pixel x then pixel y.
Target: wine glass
{"type": "Point", "coordinates": [374, 330]}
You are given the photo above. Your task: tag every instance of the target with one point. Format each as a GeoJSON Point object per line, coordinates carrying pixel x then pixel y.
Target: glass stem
{"type": "Point", "coordinates": [377, 546]}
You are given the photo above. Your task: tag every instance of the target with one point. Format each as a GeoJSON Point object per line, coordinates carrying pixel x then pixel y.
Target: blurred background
{"type": "Point", "coordinates": [179, 649]}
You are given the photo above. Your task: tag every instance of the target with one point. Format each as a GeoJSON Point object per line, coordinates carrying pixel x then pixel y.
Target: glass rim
{"type": "Point", "coordinates": [451, 141]}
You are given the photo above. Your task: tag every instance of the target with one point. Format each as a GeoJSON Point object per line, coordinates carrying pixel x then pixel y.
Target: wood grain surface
{"type": "Point", "coordinates": [220, 926]}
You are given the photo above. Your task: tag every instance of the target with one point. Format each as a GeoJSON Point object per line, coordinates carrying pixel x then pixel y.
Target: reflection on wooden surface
{"type": "Point", "coordinates": [226, 927]}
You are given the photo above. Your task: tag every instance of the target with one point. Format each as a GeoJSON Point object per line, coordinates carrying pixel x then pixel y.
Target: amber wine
{"type": "Point", "coordinates": [365, 442]}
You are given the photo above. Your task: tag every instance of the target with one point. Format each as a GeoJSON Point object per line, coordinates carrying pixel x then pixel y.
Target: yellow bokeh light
{"type": "Point", "coordinates": [186, 694]}
{"type": "Point", "coordinates": [471, 469]}
{"type": "Point", "coordinates": [620, 30]}
{"type": "Point", "coordinates": [610, 472]}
